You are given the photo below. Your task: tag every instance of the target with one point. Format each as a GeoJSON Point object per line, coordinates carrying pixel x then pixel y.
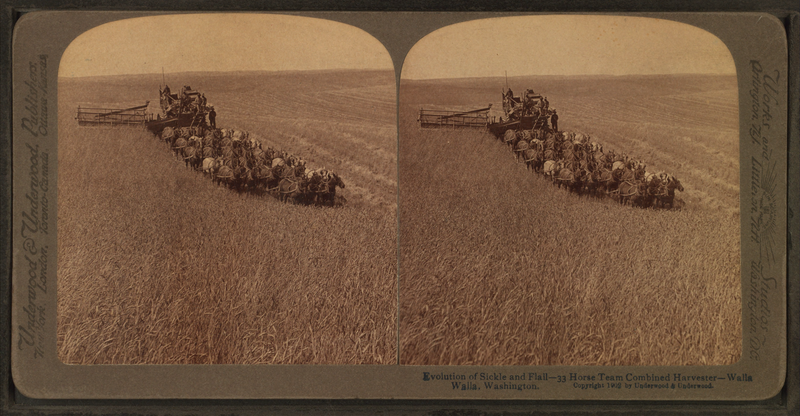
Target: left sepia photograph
{"type": "Point", "coordinates": [227, 193]}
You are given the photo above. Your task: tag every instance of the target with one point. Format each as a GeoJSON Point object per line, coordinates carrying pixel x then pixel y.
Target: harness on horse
{"type": "Point", "coordinates": [294, 182]}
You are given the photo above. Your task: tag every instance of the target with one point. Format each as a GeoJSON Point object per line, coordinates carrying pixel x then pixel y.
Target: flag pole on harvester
{"type": "Point", "coordinates": [163, 80]}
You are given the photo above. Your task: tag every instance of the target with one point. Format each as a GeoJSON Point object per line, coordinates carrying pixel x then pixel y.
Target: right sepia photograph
{"type": "Point", "coordinates": [569, 194]}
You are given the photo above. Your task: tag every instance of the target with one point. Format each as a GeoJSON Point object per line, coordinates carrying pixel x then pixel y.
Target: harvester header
{"type": "Point", "coordinates": [454, 119]}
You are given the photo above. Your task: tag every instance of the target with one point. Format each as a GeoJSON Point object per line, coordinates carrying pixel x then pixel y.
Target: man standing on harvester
{"type": "Point", "coordinates": [212, 117]}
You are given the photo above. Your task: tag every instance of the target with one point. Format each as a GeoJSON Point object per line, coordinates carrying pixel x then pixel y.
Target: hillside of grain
{"type": "Point", "coordinates": [157, 265]}
{"type": "Point", "coordinates": [499, 267]}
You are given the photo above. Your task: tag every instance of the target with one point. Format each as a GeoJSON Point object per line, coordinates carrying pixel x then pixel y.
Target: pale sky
{"type": "Point", "coordinates": [566, 45]}
{"type": "Point", "coordinates": [221, 42]}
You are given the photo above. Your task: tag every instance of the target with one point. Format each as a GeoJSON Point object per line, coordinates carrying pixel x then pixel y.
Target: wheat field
{"type": "Point", "coordinates": [157, 265]}
{"type": "Point", "coordinates": [499, 267]}
{"type": "Point", "coordinates": [496, 266]}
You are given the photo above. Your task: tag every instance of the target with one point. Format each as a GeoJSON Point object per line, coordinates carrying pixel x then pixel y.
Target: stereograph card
{"type": "Point", "coordinates": [313, 206]}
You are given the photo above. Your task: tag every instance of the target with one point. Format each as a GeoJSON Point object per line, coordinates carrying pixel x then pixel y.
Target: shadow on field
{"type": "Point", "coordinates": [304, 198]}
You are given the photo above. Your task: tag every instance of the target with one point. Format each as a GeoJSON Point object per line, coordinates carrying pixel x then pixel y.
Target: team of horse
{"type": "Point", "coordinates": [234, 159]}
{"type": "Point", "coordinates": [575, 162]}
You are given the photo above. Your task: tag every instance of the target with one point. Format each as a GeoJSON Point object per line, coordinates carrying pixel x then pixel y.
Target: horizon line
{"type": "Point", "coordinates": [571, 75]}
{"type": "Point", "coordinates": [232, 71]}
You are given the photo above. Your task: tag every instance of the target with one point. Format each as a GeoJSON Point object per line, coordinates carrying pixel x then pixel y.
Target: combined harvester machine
{"type": "Point", "coordinates": [186, 108]}
{"type": "Point", "coordinates": [529, 112]}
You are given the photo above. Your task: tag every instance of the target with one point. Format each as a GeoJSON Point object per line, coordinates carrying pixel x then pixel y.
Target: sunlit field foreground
{"type": "Point", "coordinates": [157, 264]}
{"type": "Point", "coordinates": [500, 267]}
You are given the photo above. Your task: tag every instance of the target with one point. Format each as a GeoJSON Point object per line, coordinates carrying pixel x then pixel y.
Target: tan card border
{"type": "Point", "coordinates": [40, 39]}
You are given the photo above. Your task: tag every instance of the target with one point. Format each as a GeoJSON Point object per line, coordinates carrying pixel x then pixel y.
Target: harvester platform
{"type": "Point", "coordinates": [454, 119]}
{"type": "Point", "coordinates": [92, 116]}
